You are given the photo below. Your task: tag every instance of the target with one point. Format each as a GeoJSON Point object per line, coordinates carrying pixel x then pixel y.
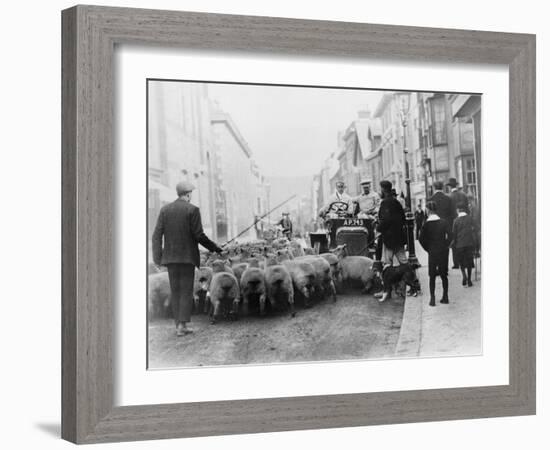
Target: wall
{"type": "Point", "coordinates": [30, 332]}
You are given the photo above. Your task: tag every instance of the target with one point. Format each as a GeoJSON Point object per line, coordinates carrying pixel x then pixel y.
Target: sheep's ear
{"type": "Point", "coordinates": [229, 260]}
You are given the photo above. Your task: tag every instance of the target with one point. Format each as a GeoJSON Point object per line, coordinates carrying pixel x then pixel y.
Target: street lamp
{"type": "Point", "coordinates": [404, 102]}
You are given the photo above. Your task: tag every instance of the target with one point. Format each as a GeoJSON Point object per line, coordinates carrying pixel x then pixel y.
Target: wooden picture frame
{"type": "Point", "coordinates": [89, 37]}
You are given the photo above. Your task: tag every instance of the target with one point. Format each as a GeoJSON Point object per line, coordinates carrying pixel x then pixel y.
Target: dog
{"type": "Point", "coordinates": [398, 278]}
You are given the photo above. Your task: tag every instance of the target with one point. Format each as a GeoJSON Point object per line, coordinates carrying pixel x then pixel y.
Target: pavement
{"type": "Point", "coordinates": [442, 330]}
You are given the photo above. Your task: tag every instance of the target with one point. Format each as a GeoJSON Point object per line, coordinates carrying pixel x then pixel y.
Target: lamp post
{"type": "Point", "coordinates": [404, 101]}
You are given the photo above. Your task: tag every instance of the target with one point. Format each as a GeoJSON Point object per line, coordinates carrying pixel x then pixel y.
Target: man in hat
{"type": "Point", "coordinates": [175, 245]}
{"type": "Point", "coordinates": [339, 203]}
{"type": "Point", "coordinates": [460, 199]}
{"type": "Point", "coordinates": [444, 207]}
{"type": "Point", "coordinates": [391, 225]}
{"type": "Point", "coordinates": [286, 224]}
{"type": "Point", "coordinates": [368, 201]}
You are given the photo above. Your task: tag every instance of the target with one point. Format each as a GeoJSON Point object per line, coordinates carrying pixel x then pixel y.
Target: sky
{"type": "Point", "coordinates": [291, 130]}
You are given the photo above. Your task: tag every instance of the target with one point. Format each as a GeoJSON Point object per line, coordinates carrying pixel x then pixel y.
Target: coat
{"type": "Point", "coordinates": [179, 225]}
{"type": "Point", "coordinates": [391, 223]}
{"type": "Point", "coordinates": [445, 207]}
{"type": "Point", "coordinates": [435, 237]}
{"type": "Point", "coordinates": [464, 232]}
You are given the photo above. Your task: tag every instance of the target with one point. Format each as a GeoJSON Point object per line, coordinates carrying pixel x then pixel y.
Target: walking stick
{"type": "Point", "coordinates": [258, 219]}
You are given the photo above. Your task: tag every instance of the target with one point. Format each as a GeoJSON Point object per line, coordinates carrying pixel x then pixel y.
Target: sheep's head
{"type": "Point", "coordinates": [340, 251]}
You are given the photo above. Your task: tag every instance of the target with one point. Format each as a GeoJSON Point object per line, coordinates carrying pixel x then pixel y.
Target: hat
{"type": "Point", "coordinates": [183, 187]}
{"type": "Point", "coordinates": [285, 214]}
{"type": "Point", "coordinates": [365, 181]}
{"type": "Point", "coordinates": [438, 185]}
{"type": "Point", "coordinates": [452, 182]}
{"type": "Point", "coordinates": [385, 185]}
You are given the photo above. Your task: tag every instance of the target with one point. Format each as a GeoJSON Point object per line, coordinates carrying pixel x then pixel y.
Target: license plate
{"type": "Point", "coordinates": [353, 223]}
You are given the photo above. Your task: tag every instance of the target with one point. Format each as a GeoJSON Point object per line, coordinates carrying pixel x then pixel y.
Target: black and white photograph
{"type": "Point", "coordinates": [299, 224]}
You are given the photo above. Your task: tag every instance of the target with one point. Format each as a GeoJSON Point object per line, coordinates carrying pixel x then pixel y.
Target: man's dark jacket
{"type": "Point", "coordinates": [391, 223]}
{"type": "Point", "coordinates": [180, 224]}
{"type": "Point", "coordinates": [445, 207]}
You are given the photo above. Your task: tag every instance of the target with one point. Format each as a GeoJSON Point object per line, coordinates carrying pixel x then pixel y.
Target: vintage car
{"type": "Point", "coordinates": [342, 227]}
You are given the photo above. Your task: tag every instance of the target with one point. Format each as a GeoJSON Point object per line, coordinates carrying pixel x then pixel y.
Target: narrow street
{"type": "Point", "coordinates": [355, 327]}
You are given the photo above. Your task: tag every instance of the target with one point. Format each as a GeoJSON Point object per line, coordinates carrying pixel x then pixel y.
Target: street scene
{"type": "Point", "coordinates": [299, 224]}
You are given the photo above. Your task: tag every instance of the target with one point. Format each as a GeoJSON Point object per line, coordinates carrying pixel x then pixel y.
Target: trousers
{"type": "Point", "coordinates": [181, 278]}
{"type": "Point", "coordinates": [389, 254]}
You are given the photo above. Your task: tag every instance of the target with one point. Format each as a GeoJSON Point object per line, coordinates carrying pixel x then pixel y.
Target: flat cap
{"type": "Point", "coordinates": [183, 187]}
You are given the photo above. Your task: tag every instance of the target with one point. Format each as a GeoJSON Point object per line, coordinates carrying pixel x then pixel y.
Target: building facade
{"type": "Point", "coordinates": [241, 187]}
{"type": "Point", "coordinates": [180, 147]}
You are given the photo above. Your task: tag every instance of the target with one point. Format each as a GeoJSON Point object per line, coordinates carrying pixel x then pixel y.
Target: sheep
{"type": "Point", "coordinates": [224, 292]}
{"type": "Point", "coordinates": [252, 284]}
{"type": "Point", "coordinates": [303, 277]}
{"type": "Point", "coordinates": [323, 277]}
{"type": "Point", "coordinates": [358, 268]}
{"type": "Point", "coordinates": [158, 295]}
{"type": "Point", "coordinates": [296, 249]}
{"type": "Point", "coordinates": [238, 269]}
{"type": "Point", "coordinates": [279, 288]}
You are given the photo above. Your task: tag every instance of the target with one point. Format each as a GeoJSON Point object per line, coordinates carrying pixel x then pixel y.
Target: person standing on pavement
{"type": "Point", "coordinates": [419, 218]}
{"type": "Point", "coordinates": [458, 197]}
{"type": "Point", "coordinates": [464, 243]}
{"type": "Point", "coordinates": [446, 209]}
{"type": "Point", "coordinates": [391, 225]}
{"type": "Point", "coordinates": [435, 238]}
{"type": "Point", "coordinates": [175, 245]}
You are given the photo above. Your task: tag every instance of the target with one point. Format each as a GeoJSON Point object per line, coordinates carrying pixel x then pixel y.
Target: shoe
{"type": "Point", "coordinates": [470, 284]}
{"type": "Point", "coordinates": [464, 281]}
{"type": "Point", "coordinates": [432, 301]}
{"type": "Point", "coordinates": [444, 300]}
{"type": "Point", "coordinates": [456, 267]}
{"type": "Point", "coordinates": [182, 330]}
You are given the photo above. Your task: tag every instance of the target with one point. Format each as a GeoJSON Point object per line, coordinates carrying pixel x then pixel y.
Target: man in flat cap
{"type": "Point", "coordinates": [175, 245]}
{"type": "Point", "coordinates": [368, 201]}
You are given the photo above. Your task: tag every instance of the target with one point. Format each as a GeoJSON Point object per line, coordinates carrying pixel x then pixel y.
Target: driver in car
{"type": "Point", "coordinates": [368, 202]}
{"type": "Point", "coordinates": [339, 203]}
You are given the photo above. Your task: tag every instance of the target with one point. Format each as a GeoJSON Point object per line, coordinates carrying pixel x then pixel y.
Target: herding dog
{"type": "Point", "coordinates": [398, 278]}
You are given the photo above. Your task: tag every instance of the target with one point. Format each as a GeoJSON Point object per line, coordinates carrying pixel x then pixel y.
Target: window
{"type": "Point", "coordinates": [471, 176]}
{"type": "Point", "coordinates": [439, 126]}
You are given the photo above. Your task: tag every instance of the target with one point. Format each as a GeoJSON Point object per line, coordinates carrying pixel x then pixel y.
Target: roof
{"type": "Point", "coordinates": [224, 118]}
{"type": "Point", "coordinates": [362, 128]}
{"type": "Point", "coordinates": [384, 101]}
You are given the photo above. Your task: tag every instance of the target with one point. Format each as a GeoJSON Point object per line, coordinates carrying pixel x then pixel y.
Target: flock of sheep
{"type": "Point", "coordinates": [263, 278]}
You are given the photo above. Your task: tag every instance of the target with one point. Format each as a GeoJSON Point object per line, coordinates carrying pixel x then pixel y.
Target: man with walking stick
{"type": "Point", "coordinates": [175, 245]}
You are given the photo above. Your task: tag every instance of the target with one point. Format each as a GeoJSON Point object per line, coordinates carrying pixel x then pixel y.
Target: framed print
{"type": "Point", "coordinates": [341, 181]}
